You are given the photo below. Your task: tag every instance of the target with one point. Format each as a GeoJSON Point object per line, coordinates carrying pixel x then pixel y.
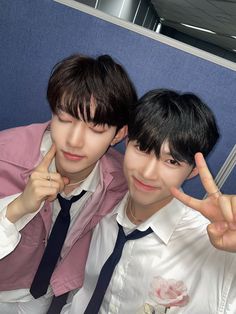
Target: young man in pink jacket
{"type": "Point", "coordinates": [89, 99]}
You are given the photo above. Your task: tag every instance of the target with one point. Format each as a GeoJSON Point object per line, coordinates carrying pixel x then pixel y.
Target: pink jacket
{"type": "Point", "coordinates": [19, 154]}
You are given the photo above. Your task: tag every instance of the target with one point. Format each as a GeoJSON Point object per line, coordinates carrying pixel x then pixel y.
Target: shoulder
{"type": "Point", "coordinates": [112, 161]}
{"type": "Point", "coordinates": [23, 132]}
{"type": "Point", "coordinates": [20, 145]}
{"type": "Point", "coordinates": [111, 168]}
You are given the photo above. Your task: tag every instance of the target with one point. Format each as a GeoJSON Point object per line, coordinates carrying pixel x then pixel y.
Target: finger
{"type": "Point", "coordinates": [216, 232]}
{"type": "Point", "coordinates": [47, 159]}
{"type": "Point", "coordinates": [186, 199]}
{"type": "Point", "coordinates": [52, 198]}
{"type": "Point", "coordinates": [205, 176]}
{"type": "Point", "coordinates": [62, 181]}
{"type": "Point", "coordinates": [226, 207]}
{"type": "Point", "coordinates": [48, 179]}
{"type": "Point", "coordinates": [43, 188]}
{"type": "Point", "coordinates": [233, 202]}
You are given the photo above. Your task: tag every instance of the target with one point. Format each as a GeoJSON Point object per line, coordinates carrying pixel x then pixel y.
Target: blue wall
{"type": "Point", "coordinates": [37, 34]}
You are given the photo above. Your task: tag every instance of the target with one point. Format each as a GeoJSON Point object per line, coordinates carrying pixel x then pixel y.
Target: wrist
{"type": "Point", "coordinates": [15, 210]}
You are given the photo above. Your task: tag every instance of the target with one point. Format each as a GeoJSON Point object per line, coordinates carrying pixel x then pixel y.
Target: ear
{"type": "Point", "coordinates": [193, 173]}
{"type": "Point", "coordinates": [120, 135]}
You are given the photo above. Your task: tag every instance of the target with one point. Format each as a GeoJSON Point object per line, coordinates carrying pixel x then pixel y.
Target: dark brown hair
{"type": "Point", "coordinates": [77, 80]}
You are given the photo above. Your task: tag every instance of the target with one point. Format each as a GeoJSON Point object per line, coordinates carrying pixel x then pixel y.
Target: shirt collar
{"type": "Point", "coordinates": [91, 182]}
{"type": "Point", "coordinates": [163, 223]}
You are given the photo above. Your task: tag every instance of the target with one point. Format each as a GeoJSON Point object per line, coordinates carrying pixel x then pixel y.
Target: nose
{"type": "Point", "coordinates": [150, 168]}
{"type": "Point", "coordinates": [76, 135]}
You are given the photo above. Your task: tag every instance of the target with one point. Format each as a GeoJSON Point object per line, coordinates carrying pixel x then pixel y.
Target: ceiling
{"type": "Point", "coordinates": [215, 15]}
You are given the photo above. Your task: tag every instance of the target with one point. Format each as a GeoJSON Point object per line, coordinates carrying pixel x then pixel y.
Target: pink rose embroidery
{"type": "Point", "coordinates": [168, 292]}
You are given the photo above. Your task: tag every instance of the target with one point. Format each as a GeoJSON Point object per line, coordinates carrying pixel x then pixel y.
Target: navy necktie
{"type": "Point", "coordinates": [52, 252]}
{"type": "Point", "coordinates": [109, 266]}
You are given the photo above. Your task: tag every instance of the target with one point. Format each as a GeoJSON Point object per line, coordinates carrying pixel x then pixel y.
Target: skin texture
{"type": "Point", "coordinates": [79, 145]}
{"type": "Point", "coordinates": [219, 208]}
{"type": "Point", "coordinates": [149, 178]}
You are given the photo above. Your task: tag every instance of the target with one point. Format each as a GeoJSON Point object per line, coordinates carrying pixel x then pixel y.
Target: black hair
{"type": "Point", "coordinates": [77, 81]}
{"type": "Point", "coordinates": [183, 120]}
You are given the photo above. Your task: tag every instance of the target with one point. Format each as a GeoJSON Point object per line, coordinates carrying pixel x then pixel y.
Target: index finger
{"type": "Point", "coordinates": [205, 175]}
{"type": "Point", "coordinates": [47, 159]}
{"type": "Point", "coordinates": [186, 199]}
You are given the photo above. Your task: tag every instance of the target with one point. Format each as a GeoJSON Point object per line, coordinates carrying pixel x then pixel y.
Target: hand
{"type": "Point", "coordinates": [219, 209]}
{"type": "Point", "coordinates": [41, 186]}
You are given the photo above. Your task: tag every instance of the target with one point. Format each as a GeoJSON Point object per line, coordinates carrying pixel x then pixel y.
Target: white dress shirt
{"type": "Point", "coordinates": [178, 249]}
{"type": "Point", "coordinates": [9, 232]}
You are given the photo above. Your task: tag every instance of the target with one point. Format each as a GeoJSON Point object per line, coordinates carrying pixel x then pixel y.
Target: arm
{"type": "Point", "coordinates": [9, 233]}
{"type": "Point", "coordinates": [20, 209]}
{"type": "Point", "coordinates": [220, 209]}
{"type": "Point", "coordinates": [41, 186]}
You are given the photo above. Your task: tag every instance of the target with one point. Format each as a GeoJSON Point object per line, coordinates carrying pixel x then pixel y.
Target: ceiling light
{"type": "Point", "coordinates": [198, 28]}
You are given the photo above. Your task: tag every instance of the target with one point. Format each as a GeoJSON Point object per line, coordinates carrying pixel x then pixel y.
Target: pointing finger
{"type": "Point", "coordinates": [47, 159]}
{"type": "Point", "coordinates": [186, 199]}
{"type": "Point", "coordinates": [205, 176]}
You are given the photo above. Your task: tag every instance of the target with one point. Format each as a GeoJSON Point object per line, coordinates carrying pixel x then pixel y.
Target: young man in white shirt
{"type": "Point", "coordinates": [173, 268]}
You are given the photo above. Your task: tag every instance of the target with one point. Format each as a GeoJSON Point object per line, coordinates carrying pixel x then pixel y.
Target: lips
{"type": "Point", "coordinates": [142, 186]}
{"type": "Point", "coordinates": [72, 157]}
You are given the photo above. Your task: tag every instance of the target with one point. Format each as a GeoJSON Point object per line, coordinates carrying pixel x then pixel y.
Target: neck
{"type": "Point", "coordinates": [138, 213]}
{"type": "Point", "coordinates": [75, 178]}
{"type": "Point", "coordinates": [76, 183]}
{"type": "Point", "coordinates": [71, 186]}
{"type": "Point", "coordinates": [132, 215]}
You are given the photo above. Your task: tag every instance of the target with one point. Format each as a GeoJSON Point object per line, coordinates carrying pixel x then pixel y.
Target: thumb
{"type": "Point", "coordinates": [215, 232]}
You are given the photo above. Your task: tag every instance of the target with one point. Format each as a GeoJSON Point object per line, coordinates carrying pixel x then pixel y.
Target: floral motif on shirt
{"type": "Point", "coordinates": [165, 293]}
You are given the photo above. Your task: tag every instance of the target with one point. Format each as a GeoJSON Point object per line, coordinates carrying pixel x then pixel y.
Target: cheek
{"type": "Point", "coordinates": [98, 144]}
{"type": "Point", "coordinates": [57, 132]}
{"type": "Point", "coordinates": [127, 162]}
{"type": "Point", "coordinates": [131, 163]}
{"type": "Point", "coordinates": [173, 179]}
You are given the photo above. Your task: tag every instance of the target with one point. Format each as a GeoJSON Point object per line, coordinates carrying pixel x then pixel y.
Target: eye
{"type": "Point", "coordinates": [173, 162]}
{"type": "Point", "coordinates": [98, 128]}
{"type": "Point", "coordinates": [137, 147]}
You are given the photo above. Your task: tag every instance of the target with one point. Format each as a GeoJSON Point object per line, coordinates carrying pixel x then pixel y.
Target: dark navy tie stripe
{"type": "Point", "coordinates": [52, 252]}
{"type": "Point", "coordinates": [109, 266]}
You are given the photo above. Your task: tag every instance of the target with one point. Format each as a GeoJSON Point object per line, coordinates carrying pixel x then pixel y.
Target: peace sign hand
{"type": "Point", "coordinates": [41, 186]}
{"type": "Point", "coordinates": [219, 209]}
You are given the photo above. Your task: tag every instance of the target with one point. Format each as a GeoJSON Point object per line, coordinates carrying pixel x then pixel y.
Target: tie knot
{"type": "Point", "coordinates": [66, 203]}
{"type": "Point", "coordinates": [136, 234]}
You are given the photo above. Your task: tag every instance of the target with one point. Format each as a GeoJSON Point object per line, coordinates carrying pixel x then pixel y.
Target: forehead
{"type": "Point", "coordinates": [165, 149]}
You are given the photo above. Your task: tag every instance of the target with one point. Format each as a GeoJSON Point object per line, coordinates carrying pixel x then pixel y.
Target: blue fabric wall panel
{"type": "Point", "coordinates": [36, 34]}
